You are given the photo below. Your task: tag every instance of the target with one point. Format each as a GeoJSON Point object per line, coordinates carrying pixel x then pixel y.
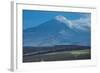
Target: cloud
{"type": "Point", "coordinates": [83, 23]}
{"type": "Point", "coordinates": [64, 20]}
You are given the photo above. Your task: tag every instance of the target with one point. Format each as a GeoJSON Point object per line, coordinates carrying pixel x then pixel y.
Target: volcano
{"type": "Point", "coordinates": [57, 31]}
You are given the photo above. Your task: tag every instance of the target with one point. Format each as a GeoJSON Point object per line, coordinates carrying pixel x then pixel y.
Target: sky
{"type": "Point", "coordinates": [33, 18]}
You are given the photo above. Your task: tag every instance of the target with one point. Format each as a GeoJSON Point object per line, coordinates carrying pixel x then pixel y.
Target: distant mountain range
{"type": "Point", "coordinates": [57, 31]}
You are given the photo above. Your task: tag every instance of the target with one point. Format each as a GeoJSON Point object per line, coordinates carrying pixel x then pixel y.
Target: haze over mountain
{"type": "Point", "coordinates": [58, 31]}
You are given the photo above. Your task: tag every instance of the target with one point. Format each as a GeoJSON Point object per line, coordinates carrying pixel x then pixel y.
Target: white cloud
{"type": "Point", "coordinates": [82, 23]}
{"type": "Point", "coordinates": [64, 20]}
